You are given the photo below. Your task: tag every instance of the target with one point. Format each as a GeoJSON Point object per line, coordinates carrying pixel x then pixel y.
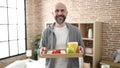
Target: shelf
{"type": "Point", "coordinates": [86, 65]}
{"type": "Point", "coordinates": [87, 39]}
{"type": "Point", "coordinates": [75, 24]}
{"type": "Point", "coordinates": [85, 28]}
{"type": "Point", "coordinates": [91, 55]}
{"type": "Point", "coordinates": [93, 43]}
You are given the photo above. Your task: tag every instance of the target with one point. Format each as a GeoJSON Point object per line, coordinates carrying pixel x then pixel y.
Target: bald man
{"type": "Point", "coordinates": [57, 35]}
{"type": "Point", "coordinates": [60, 12]}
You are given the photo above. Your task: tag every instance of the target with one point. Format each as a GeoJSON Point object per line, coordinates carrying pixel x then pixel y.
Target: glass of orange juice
{"type": "Point", "coordinates": [73, 45]}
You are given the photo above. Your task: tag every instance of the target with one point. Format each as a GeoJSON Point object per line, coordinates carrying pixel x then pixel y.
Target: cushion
{"type": "Point", "coordinates": [117, 56]}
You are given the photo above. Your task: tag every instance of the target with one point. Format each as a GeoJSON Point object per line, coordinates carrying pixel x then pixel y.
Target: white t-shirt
{"type": "Point", "coordinates": [61, 40]}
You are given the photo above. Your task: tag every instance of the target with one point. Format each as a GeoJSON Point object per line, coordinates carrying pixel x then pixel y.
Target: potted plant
{"type": "Point", "coordinates": [36, 46]}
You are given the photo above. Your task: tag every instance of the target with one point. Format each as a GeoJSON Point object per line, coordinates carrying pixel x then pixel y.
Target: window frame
{"type": "Point", "coordinates": [25, 38]}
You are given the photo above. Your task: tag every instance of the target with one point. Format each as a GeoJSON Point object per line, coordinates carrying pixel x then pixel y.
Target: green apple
{"type": "Point", "coordinates": [70, 50]}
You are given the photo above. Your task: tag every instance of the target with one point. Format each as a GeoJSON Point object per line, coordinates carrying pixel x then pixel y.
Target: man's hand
{"type": "Point", "coordinates": [43, 50]}
{"type": "Point", "coordinates": [80, 49]}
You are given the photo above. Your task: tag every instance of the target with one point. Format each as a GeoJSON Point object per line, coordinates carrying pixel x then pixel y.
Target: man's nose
{"type": "Point", "coordinates": [59, 13]}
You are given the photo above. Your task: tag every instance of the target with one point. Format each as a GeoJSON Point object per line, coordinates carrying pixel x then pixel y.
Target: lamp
{"type": "Point", "coordinates": [28, 53]}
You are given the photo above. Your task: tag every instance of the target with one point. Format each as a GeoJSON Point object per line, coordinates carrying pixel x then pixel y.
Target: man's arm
{"type": "Point", "coordinates": [81, 43]}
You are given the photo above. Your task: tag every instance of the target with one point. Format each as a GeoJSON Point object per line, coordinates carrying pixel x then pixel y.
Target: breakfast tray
{"type": "Point", "coordinates": [62, 55]}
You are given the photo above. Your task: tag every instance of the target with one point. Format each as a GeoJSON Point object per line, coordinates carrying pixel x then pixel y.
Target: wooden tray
{"type": "Point", "coordinates": [62, 55]}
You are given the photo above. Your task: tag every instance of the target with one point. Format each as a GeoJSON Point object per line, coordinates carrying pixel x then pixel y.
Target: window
{"type": "Point", "coordinates": [12, 28]}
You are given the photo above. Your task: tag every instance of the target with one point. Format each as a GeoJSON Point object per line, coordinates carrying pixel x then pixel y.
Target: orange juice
{"type": "Point", "coordinates": [73, 45]}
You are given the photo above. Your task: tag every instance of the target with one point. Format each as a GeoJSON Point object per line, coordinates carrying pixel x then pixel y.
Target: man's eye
{"type": "Point", "coordinates": [62, 10]}
{"type": "Point", "coordinates": [56, 10]}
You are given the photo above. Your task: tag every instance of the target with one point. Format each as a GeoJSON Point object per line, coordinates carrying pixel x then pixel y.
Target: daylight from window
{"type": "Point", "coordinates": [12, 28]}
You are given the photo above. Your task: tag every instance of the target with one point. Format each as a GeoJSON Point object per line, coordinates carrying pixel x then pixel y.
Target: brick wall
{"type": "Point", "coordinates": [34, 24]}
{"type": "Point", "coordinates": [106, 11]}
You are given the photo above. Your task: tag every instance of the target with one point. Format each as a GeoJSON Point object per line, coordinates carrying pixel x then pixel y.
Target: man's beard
{"type": "Point", "coordinates": [60, 21]}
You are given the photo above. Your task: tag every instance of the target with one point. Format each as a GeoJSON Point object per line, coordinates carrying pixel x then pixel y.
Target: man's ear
{"type": "Point", "coordinates": [67, 12]}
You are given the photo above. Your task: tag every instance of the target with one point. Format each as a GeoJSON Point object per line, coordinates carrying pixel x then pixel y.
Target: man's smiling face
{"type": "Point", "coordinates": [60, 13]}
